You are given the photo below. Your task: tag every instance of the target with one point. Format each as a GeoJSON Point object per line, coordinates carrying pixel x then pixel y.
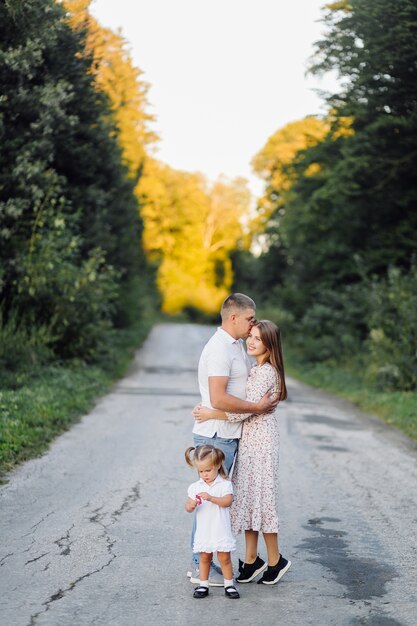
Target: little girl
{"type": "Point", "coordinates": [212, 496]}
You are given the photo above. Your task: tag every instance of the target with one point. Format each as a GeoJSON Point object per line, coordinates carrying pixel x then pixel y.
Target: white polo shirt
{"type": "Point", "coordinates": [222, 356]}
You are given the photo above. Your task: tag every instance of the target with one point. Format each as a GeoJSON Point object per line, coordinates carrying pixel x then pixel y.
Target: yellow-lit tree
{"type": "Point", "coordinates": [190, 230]}
{"type": "Point", "coordinates": [272, 163]}
{"type": "Point", "coordinates": [121, 81]}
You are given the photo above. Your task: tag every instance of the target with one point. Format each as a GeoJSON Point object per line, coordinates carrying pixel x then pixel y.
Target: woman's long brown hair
{"type": "Point", "coordinates": [271, 338]}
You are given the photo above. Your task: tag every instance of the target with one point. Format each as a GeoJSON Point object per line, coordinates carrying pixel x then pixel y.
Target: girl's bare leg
{"type": "Point", "coordinates": [251, 542]}
{"type": "Point", "coordinates": [205, 561]}
{"type": "Point", "coordinates": [271, 542]}
{"type": "Point", "coordinates": [226, 564]}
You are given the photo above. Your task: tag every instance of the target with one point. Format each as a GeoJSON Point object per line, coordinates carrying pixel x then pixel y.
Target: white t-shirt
{"type": "Point", "coordinates": [222, 356]}
{"type": "Point", "coordinates": [213, 530]}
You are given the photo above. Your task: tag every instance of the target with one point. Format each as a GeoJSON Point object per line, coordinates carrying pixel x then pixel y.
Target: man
{"type": "Point", "coordinates": [223, 370]}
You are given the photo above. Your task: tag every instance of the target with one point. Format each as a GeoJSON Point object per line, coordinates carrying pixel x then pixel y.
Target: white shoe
{"type": "Point", "coordinates": [215, 579]}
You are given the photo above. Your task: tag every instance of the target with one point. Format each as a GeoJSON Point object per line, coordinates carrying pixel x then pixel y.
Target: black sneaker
{"type": "Point", "coordinates": [248, 572]}
{"type": "Point", "coordinates": [274, 574]}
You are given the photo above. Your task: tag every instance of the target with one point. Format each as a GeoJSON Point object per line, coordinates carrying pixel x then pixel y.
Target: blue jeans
{"type": "Point", "coordinates": [229, 448]}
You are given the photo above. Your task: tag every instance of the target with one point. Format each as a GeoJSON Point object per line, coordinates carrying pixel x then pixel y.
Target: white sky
{"type": "Point", "coordinates": [224, 74]}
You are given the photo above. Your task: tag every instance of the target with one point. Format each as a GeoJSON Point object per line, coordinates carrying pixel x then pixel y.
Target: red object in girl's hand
{"type": "Point", "coordinates": [199, 500]}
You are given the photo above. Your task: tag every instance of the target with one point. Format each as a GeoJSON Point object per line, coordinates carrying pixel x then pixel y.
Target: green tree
{"type": "Point", "coordinates": [358, 203]}
{"type": "Point", "coordinates": [122, 82]}
{"type": "Point", "coordinates": [60, 164]}
{"type": "Point", "coordinates": [373, 49]}
{"type": "Point", "coordinates": [343, 209]}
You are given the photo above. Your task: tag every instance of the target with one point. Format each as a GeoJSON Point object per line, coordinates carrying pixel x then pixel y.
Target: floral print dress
{"type": "Point", "coordinates": [255, 477]}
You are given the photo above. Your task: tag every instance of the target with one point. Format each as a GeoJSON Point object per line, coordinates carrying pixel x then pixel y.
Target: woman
{"type": "Point", "coordinates": [255, 478]}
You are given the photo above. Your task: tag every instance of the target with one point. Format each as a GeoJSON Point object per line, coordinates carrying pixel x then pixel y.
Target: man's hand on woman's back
{"type": "Point", "coordinates": [267, 403]}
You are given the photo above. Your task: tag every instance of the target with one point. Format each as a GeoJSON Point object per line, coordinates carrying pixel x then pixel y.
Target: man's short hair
{"type": "Point", "coordinates": [236, 302]}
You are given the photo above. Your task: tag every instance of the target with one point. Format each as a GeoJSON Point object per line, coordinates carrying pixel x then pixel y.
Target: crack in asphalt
{"type": "Point", "coordinates": [97, 517]}
{"type": "Point", "coordinates": [6, 556]}
{"type": "Point", "coordinates": [42, 520]}
{"type": "Point", "coordinates": [58, 595]}
{"type": "Point", "coordinates": [37, 524]}
{"type": "Point", "coordinates": [33, 540]}
{"type": "Point", "coordinates": [128, 502]}
{"type": "Point", "coordinates": [36, 558]}
{"type": "Point", "coordinates": [64, 542]}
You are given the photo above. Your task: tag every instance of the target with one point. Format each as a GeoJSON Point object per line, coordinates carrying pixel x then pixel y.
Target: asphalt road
{"type": "Point", "coordinates": [95, 532]}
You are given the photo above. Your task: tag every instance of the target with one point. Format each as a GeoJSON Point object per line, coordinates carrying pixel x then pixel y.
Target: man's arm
{"type": "Point", "coordinates": [222, 400]}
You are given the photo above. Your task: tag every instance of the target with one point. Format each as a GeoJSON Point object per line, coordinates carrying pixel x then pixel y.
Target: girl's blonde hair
{"type": "Point", "coordinates": [201, 453]}
{"type": "Point", "coordinates": [271, 338]}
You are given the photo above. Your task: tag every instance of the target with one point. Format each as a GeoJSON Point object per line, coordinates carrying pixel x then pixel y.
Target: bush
{"type": "Point", "coordinates": [392, 341]}
{"type": "Point", "coordinates": [58, 290]}
{"type": "Point", "coordinates": [22, 350]}
{"type": "Point", "coordinates": [334, 327]}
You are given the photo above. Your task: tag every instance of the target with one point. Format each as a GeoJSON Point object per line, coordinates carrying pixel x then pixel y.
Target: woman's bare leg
{"type": "Point", "coordinates": [271, 542]}
{"type": "Point", "coordinates": [251, 542]}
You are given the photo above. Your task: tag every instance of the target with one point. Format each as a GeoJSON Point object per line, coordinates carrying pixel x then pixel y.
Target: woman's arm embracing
{"type": "Point", "coordinates": [263, 378]}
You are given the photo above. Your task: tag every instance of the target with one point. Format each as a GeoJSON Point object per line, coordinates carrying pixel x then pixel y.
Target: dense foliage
{"type": "Point", "coordinates": [190, 229]}
{"type": "Point", "coordinates": [71, 264]}
{"type": "Point", "coordinates": [190, 226]}
{"type": "Point", "coordinates": [341, 237]}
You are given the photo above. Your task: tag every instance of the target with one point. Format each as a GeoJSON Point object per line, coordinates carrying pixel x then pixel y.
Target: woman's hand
{"type": "Point", "coordinates": [195, 409]}
{"type": "Point", "coordinates": [203, 413]}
